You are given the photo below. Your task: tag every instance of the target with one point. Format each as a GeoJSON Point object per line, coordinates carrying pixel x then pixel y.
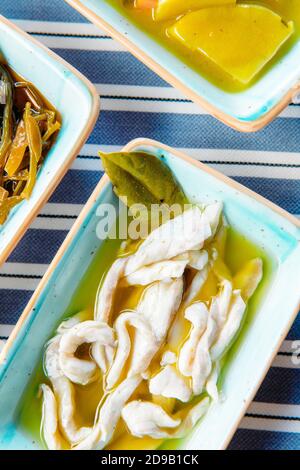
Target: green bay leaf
{"type": "Point", "coordinates": [142, 178]}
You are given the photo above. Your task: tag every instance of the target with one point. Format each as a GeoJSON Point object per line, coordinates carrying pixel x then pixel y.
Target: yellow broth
{"type": "Point", "coordinates": [236, 250]}
{"type": "Point", "coordinates": [288, 9]}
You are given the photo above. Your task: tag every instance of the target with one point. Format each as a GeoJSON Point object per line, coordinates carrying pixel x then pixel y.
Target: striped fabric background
{"type": "Point", "coordinates": [136, 103]}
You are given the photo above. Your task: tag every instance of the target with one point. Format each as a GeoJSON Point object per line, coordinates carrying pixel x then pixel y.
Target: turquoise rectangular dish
{"type": "Point", "coordinates": [268, 226]}
{"type": "Point", "coordinates": [75, 99]}
{"type": "Point", "coordinates": [248, 111]}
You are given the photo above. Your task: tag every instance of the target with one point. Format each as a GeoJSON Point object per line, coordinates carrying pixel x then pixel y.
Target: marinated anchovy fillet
{"type": "Point", "coordinates": [28, 129]}
{"type": "Point", "coordinates": [50, 420]}
{"type": "Point", "coordinates": [65, 397]}
{"type": "Point", "coordinates": [147, 419]}
{"type": "Point", "coordinates": [197, 314]}
{"type": "Point", "coordinates": [157, 272]}
{"type": "Point", "coordinates": [82, 371]}
{"type": "Point", "coordinates": [143, 329]}
{"type": "Point", "coordinates": [177, 236]}
{"type": "Point", "coordinates": [165, 315]}
{"type": "Point", "coordinates": [109, 415]}
{"type": "Point", "coordinates": [170, 384]}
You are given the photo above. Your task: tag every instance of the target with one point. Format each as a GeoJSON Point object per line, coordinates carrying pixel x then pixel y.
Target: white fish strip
{"type": "Point", "coordinates": [158, 306]}
{"type": "Point", "coordinates": [181, 234]}
{"type": "Point", "coordinates": [197, 314]}
{"type": "Point", "coordinates": [163, 270]}
{"type": "Point", "coordinates": [224, 320]}
{"type": "Point", "coordinates": [192, 418]}
{"type": "Point", "coordinates": [147, 419]}
{"type": "Point", "coordinates": [109, 415]}
{"type": "Point", "coordinates": [149, 424]}
{"type": "Point", "coordinates": [103, 307]}
{"type": "Point", "coordinates": [211, 384]}
{"type": "Point", "coordinates": [107, 290]}
{"type": "Point", "coordinates": [231, 326]}
{"type": "Point", "coordinates": [194, 225]}
{"type": "Point", "coordinates": [103, 355]}
{"type": "Point", "coordinates": [159, 303]}
{"type": "Point", "coordinates": [169, 383]}
{"type": "Point", "coordinates": [168, 357]}
{"type": "Point", "coordinates": [198, 259]}
{"type": "Point", "coordinates": [217, 326]}
{"type": "Point", "coordinates": [202, 365]}
{"type": "Point", "coordinates": [51, 358]}
{"type": "Point", "coordinates": [196, 285]}
{"type": "Point", "coordinates": [64, 392]}
{"type": "Point", "coordinates": [150, 346]}
{"type": "Point", "coordinates": [111, 410]}
{"type": "Point", "coordinates": [49, 425]}
{"type": "Point", "coordinates": [67, 324]}
{"type": "Point", "coordinates": [220, 304]}
{"type": "Point", "coordinates": [213, 213]}
{"type": "Point", "coordinates": [82, 371]}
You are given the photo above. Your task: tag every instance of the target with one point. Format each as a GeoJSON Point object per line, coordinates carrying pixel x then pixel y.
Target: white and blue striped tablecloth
{"type": "Point", "coordinates": [137, 103]}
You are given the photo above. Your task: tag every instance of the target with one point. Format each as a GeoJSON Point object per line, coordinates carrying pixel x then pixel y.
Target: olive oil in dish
{"type": "Point", "coordinates": [230, 43]}
{"type": "Point", "coordinates": [92, 388]}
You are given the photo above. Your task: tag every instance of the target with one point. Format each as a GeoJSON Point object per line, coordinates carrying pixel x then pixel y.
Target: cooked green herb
{"type": "Point", "coordinates": [142, 178]}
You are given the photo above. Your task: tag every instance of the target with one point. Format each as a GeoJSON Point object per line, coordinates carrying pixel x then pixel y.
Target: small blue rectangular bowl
{"type": "Point", "coordinates": [247, 111]}
{"type": "Point", "coordinates": [77, 102]}
{"type": "Point", "coordinates": [268, 226]}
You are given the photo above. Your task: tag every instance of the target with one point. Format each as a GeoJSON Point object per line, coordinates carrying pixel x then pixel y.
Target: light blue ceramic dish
{"type": "Point", "coordinates": [78, 104]}
{"type": "Point", "coordinates": [249, 110]}
{"type": "Point", "coordinates": [269, 227]}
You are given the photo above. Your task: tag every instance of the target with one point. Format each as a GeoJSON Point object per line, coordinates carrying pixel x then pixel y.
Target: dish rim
{"type": "Point", "coordinates": [78, 143]}
{"type": "Point", "coordinates": [239, 125]}
{"type": "Point", "coordinates": [104, 181]}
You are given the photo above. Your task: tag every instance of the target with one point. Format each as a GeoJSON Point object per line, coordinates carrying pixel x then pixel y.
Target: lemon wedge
{"type": "Point", "coordinates": [240, 39]}
{"type": "Point", "coordinates": [171, 8]}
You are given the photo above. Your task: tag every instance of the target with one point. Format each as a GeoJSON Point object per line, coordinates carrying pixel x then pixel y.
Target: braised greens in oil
{"type": "Point", "coordinates": [232, 43]}
{"type": "Point", "coordinates": [28, 127]}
